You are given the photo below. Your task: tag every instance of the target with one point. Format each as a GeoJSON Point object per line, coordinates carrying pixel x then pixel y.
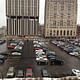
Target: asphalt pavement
{"type": "Point", "coordinates": [28, 60]}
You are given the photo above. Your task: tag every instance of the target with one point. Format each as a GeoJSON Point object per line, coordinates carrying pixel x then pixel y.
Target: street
{"type": "Point", "coordinates": [28, 60]}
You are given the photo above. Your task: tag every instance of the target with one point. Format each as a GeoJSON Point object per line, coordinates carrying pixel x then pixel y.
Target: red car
{"type": "Point", "coordinates": [29, 73]}
{"type": "Point", "coordinates": [36, 48]}
{"type": "Point", "coordinates": [10, 47]}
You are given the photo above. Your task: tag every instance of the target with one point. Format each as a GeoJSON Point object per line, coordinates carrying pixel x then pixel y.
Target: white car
{"type": "Point", "coordinates": [35, 41]}
{"type": "Point", "coordinates": [40, 50]}
{"type": "Point", "coordinates": [40, 53]}
{"type": "Point", "coordinates": [36, 45]}
{"type": "Point", "coordinates": [41, 43]}
{"type": "Point", "coordinates": [18, 47]}
{"type": "Point", "coordinates": [13, 44]}
{"type": "Point", "coordinates": [16, 53]}
{"type": "Point", "coordinates": [21, 43]}
{"type": "Point", "coordinates": [73, 53]}
{"type": "Point", "coordinates": [41, 58]}
{"type": "Point", "coordinates": [76, 72]}
{"type": "Point", "coordinates": [10, 72]}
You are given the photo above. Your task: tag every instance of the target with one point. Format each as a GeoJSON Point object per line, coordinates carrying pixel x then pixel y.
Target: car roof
{"type": "Point", "coordinates": [29, 68]}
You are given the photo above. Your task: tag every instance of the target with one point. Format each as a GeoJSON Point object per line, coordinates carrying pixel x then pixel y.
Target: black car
{"type": "Point", "coordinates": [50, 53]}
{"type": "Point", "coordinates": [45, 49]}
{"type": "Point", "coordinates": [5, 54]}
{"type": "Point", "coordinates": [42, 62]}
{"type": "Point", "coordinates": [51, 56]}
{"type": "Point", "coordinates": [16, 50]}
{"type": "Point", "coordinates": [56, 61]}
{"type": "Point", "coordinates": [44, 73]}
{"type": "Point", "coordinates": [2, 57]}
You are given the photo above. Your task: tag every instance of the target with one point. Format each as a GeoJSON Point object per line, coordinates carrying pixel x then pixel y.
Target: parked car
{"type": "Point", "coordinates": [40, 53]}
{"type": "Point", "coordinates": [54, 42]}
{"type": "Point", "coordinates": [20, 74]}
{"type": "Point", "coordinates": [1, 61]}
{"type": "Point", "coordinates": [78, 55]}
{"type": "Point", "coordinates": [56, 61]}
{"type": "Point", "coordinates": [51, 56]}
{"type": "Point", "coordinates": [50, 53]}
{"type": "Point", "coordinates": [13, 44]}
{"type": "Point", "coordinates": [36, 45]}
{"type": "Point", "coordinates": [70, 50]}
{"type": "Point", "coordinates": [44, 73]}
{"type": "Point", "coordinates": [65, 49]}
{"type": "Point", "coordinates": [36, 48]}
{"type": "Point", "coordinates": [10, 47]}
{"type": "Point", "coordinates": [21, 43]}
{"type": "Point", "coordinates": [10, 73]}
{"type": "Point", "coordinates": [76, 72]}
{"type": "Point", "coordinates": [5, 54]}
{"type": "Point", "coordinates": [35, 41]}
{"type": "Point", "coordinates": [40, 50]}
{"type": "Point", "coordinates": [16, 54]}
{"type": "Point", "coordinates": [18, 47]}
{"type": "Point", "coordinates": [29, 73]}
{"type": "Point", "coordinates": [45, 49]}
{"type": "Point", "coordinates": [2, 57]}
{"type": "Point", "coordinates": [2, 41]}
{"type": "Point", "coordinates": [42, 61]}
{"type": "Point", "coordinates": [73, 53]}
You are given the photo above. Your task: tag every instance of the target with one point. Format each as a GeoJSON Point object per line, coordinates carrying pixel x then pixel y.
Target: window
{"type": "Point", "coordinates": [54, 23]}
{"type": "Point", "coordinates": [55, 8]}
{"type": "Point", "coordinates": [64, 32]}
{"type": "Point", "coordinates": [50, 32]}
{"type": "Point", "coordinates": [57, 32]}
{"type": "Point", "coordinates": [67, 32]}
{"type": "Point", "coordinates": [54, 33]}
{"type": "Point", "coordinates": [68, 22]}
{"type": "Point", "coordinates": [71, 32]}
{"type": "Point", "coordinates": [54, 15]}
{"type": "Point", "coordinates": [62, 8]}
{"type": "Point", "coordinates": [61, 23]}
{"type": "Point", "coordinates": [61, 32]}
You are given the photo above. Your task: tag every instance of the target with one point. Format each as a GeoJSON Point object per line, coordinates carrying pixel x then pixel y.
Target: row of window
{"type": "Point", "coordinates": [61, 23]}
{"type": "Point", "coordinates": [22, 27]}
{"type": "Point", "coordinates": [61, 32]}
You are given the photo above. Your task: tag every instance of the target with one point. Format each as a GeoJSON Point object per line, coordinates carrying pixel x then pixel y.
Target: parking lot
{"type": "Point", "coordinates": [28, 60]}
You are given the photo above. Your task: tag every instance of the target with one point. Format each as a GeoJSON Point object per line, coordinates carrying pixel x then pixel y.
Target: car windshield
{"type": "Point", "coordinates": [29, 71]}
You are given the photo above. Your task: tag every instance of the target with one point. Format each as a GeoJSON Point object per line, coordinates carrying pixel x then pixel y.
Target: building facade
{"type": "Point", "coordinates": [78, 30]}
{"type": "Point", "coordinates": [60, 18]}
{"type": "Point", "coordinates": [22, 17]}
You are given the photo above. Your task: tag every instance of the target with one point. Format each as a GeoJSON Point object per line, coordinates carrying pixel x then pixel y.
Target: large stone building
{"type": "Point", "coordinates": [60, 18]}
{"type": "Point", "coordinates": [22, 17]}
